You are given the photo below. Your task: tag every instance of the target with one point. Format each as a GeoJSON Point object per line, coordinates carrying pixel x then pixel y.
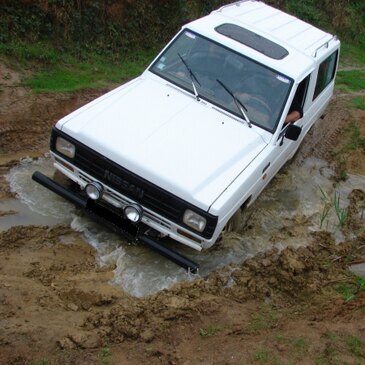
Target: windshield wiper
{"type": "Point", "coordinates": [192, 77]}
{"type": "Point", "coordinates": [238, 103]}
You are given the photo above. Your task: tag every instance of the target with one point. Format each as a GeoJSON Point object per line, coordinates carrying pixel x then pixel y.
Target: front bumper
{"type": "Point", "coordinates": [114, 221]}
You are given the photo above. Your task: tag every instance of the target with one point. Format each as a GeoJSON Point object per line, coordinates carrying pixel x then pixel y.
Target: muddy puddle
{"type": "Point", "coordinates": [298, 201]}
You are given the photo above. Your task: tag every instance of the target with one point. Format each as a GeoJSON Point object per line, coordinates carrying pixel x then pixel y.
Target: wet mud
{"type": "Point", "coordinates": [71, 292]}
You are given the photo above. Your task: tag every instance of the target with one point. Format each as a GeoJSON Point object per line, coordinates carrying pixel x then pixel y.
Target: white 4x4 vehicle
{"type": "Point", "coordinates": [178, 151]}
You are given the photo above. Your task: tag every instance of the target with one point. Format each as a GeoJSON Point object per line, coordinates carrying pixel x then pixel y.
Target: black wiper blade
{"type": "Point", "coordinates": [192, 77]}
{"type": "Point", "coordinates": [238, 103]}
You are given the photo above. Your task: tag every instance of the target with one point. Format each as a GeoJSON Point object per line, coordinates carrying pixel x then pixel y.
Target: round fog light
{"type": "Point", "coordinates": [94, 190]}
{"type": "Point", "coordinates": [133, 213]}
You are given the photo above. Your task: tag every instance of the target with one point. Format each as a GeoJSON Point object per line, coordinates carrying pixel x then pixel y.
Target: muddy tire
{"type": "Point", "coordinates": [234, 224]}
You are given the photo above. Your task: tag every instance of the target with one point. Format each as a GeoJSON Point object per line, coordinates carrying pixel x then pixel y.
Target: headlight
{"type": "Point", "coordinates": [65, 147]}
{"type": "Point", "coordinates": [194, 220]}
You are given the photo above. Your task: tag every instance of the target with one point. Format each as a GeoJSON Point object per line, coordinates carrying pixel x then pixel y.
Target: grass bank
{"type": "Point", "coordinates": [55, 70]}
{"type": "Point", "coordinates": [59, 70]}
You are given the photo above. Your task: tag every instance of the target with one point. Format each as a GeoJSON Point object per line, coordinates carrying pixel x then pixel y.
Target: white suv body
{"type": "Point", "coordinates": [176, 130]}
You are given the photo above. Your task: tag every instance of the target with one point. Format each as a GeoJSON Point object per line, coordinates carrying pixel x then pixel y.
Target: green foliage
{"type": "Point", "coordinates": [25, 52]}
{"type": "Point", "coordinates": [41, 362]}
{"type": "Point", "coordinates": [326, 207]}
{"type": "Point", "coordinates": [356, 346]}
{"type": "Point", "coordinates": [355, 139]}
{"type": "Point", "coordinates": [334, 203]}
{"type": "Point", "coordinates": [359, 102]}
{"type": "Point", "coordinates": [340, 212]}
{"type": "Point", "coordinates": [107, 26]}
{"type": "Point", "coordinates": [105, 355]}
{"type": "Point", "coordinates": [353, 54]}
{"type": "Point", "coordinates": [352, 288]}
{"type": "Point", "coordinates": [351, 81]}
{"type": "Point", "coordinates": [65, 72]}
{"type": "Point", "coordinates": [211, 330]}
{"type": "Point", "coordinates": [300, 345]}
{"type": "Point", "coordinates": [342, 17]}
{"type": "Point", "coordinates": [308, 11]}
{"type": "Point", "coordinates": [262, 357]}
{"type": "Point", "coordinates": [121, 25]}
{"type": "Point", "coordinates": [267, 318]}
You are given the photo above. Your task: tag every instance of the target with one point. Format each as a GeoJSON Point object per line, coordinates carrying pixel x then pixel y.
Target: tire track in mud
{"type": "Point", "coordinates": [320, 139]}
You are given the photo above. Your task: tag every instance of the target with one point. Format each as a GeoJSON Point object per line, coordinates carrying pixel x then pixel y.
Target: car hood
{"type": "Point", "coordinates": [166, 136]}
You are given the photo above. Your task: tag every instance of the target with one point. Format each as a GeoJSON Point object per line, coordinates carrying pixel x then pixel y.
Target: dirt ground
{"type": "Point", "coordinates": [57, 307]}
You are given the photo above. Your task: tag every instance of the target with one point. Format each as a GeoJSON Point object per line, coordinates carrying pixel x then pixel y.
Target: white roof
{"type": "Point", "coordinates": [304, 42]}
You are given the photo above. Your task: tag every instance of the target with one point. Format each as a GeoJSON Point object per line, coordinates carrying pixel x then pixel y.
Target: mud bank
{"type": "Point", "coordinates": [60, 302]}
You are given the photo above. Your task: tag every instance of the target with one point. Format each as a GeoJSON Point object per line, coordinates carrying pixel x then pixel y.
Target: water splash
{"type": "Point", "coordinates": [284, 215]}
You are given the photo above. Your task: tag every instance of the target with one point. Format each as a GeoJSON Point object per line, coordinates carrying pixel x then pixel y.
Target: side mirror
{"type": "Point", "coordinates": [293, 132]}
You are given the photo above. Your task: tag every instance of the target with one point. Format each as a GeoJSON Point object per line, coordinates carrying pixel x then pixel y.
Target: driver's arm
{"type": "Point", "coordinates": [295, 112]}
{"type": "Point", "coordinates": [293, 116]}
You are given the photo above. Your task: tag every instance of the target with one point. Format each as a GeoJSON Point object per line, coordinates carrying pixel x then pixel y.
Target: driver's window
{"type": "Point", "coordinates": [301, 92]}
{"type": "Point", "coordinates": [296, 108]}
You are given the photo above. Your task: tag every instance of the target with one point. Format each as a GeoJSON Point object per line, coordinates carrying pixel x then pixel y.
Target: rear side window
{"type": "Point", "coordinates": [326, 73]}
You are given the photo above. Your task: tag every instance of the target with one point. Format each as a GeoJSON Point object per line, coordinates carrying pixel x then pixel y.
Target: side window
{"type": "Point", "coordinates": [301, 92]}
{"type": "Point", "coordinates": [326, 73]}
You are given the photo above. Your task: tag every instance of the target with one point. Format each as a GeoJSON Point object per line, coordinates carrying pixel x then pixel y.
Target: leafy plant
{"type": "Point", "coordinates": [356, 346]}
{"type": "Point", "coordinates": [346, 291]}
{"type": "Point", "coordinates": [211, 330]}
{"type": "Point", "coordinates": [300, 344]}
{"type": "Point", "coordinates": [340, 212]}
{"type": "Point", "coordinates": [352, 288]}
{"type": "Point", "coordinates": [262, 356]}
{"type": "Point", "coordinates": [105, 355]}
{"type": "Point", "coordinates": [326, 207]}
{"type": "Point", "coordinates": [328, 204]}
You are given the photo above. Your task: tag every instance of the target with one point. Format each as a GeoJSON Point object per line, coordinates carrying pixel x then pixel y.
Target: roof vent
{"type": "Point", "coordinates": [253, 40]}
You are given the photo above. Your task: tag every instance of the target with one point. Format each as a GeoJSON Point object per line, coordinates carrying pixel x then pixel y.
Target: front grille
{"type": "Point", "coordinates": [133, 186]}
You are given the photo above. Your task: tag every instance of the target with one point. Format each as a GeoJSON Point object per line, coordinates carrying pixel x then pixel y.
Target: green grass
{"type": "Point", "coordinates": [39, 52]}
{"type": "Point", "coordinates": [355, 139]}
{"type": "Point", "coordinates": [266, 319]}
{"type": "Point", "coordinates": [41, 362]}
{"type": "Point", "coordinates": [351, 81]}
{"type": "Point", "coordinates": [356, 346]}
{"type": "Point", "coordinates": [352, 288]}
{"type": "Point", "coordinates": [352, 54]}
{"type": "Point", "coordinates": [55, 70]}
{"type": "Point", "coordinates": [359, 102]}
{"type": "Point", "coordinates": [95, 73]}
{"type": "Point", "coordinates": [105, 355]}
{"type": "Point", "coordinates": [300, 345]}
{"type": "Point", "coordinates": [211, 330]}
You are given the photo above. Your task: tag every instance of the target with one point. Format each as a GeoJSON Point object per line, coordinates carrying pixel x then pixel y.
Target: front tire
{"type": "Point", "coordinates": [234, 224]}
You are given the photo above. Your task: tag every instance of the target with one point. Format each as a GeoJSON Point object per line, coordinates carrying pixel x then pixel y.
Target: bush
{"type": "Point", "coordinates": [120, 25]}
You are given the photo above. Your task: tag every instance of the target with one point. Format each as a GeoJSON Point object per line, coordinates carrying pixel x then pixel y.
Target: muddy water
{"type": "Point", "coordinates": [290, 208]}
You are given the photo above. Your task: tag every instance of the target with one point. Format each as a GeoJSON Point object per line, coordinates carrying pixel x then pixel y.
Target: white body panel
{"type": "Point", "coordinates": [151, 128]}
{"type": "Point", "coordinates": [202, 154]}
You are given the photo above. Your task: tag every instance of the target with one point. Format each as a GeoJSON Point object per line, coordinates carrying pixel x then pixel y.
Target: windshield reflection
{"type": "Point", "coordinates": [261, 90]}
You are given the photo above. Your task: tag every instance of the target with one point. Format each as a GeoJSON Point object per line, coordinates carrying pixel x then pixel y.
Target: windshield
{"type": "Point", "coordinates": [192, 57]}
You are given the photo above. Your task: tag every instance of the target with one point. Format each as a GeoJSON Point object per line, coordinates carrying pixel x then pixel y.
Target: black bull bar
{"type": "Point", "coordinates": [114, 221]}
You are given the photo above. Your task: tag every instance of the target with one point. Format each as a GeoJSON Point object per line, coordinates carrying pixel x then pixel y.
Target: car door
{"type": "Point", "coordinates": [282, 148]}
